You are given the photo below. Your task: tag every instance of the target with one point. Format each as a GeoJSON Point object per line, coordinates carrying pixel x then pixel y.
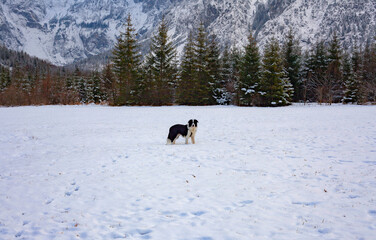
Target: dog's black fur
{"type": "Point", "coordinates": [187, 131]}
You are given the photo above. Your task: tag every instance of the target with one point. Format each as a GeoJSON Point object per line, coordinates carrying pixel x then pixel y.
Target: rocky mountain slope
{"type": "Point", "coordinates": [65, 31]}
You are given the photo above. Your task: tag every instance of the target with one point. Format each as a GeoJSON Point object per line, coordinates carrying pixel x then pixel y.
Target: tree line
{"type": "Point", "coordinates": [206, 74]}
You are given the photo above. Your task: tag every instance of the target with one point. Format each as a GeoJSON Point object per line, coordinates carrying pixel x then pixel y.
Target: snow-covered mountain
{"type": "Point", "coordinates": [64, 31]}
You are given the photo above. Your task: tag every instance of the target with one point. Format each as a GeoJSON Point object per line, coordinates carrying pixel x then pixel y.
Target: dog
{"type": "Point", "coordinates": [187, 131]}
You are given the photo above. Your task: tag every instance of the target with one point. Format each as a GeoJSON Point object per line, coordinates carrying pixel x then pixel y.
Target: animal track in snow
{"type": "Point", "coordinates": [246, 202]}
{"type": "Point", "coordinates": [19, 234]}
{"type": "Point", "coordinates": [372, 212]}
{"type": "Point", "coordinates": [198, 213]}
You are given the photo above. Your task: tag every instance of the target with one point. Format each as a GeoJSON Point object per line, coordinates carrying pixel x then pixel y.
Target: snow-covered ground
{"type": "Point", "coordinates": [93, 172]}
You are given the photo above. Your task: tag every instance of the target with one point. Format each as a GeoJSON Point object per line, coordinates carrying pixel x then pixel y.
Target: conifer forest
{"type": "Point", "coordinates": [203, 74]}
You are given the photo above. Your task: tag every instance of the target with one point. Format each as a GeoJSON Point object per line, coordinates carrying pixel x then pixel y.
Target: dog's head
{"type": "Point", "coordinates": [192, 123]}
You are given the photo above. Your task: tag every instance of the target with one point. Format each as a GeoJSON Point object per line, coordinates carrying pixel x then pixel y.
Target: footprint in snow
{"type": "Point", "coordinates": [69, 193]}
{"type": "Point", "coordinates": [144, 231]}
{"type": "Point", "coordinates": [353, 196]}
{"type": "Point", "coordinates": [306, 203]}
{"type": "Point", "coordinates": [49, 201]}
{"type": "Point", "coordinates": [198, 213]}
{"type": "Point", "coordinates": [246, 202]}
{"type": "Point", "coordinates": [372, 212]}
{"type": "Point", "coordinates": [324, 231]}
{"type": "Point", "coordinates": [19, 234]}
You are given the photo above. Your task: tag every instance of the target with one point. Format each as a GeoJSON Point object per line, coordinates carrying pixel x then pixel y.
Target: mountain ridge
{"type": "Point", "coordinates": [68, 31]}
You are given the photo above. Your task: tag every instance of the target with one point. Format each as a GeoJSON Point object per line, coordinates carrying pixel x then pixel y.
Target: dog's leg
{"type": "Point", "coordinates": [193, 139]}
{"type": "Point", "coordinates": [189, 133]}
{"type": "Point", "coordinates": [176, 139]}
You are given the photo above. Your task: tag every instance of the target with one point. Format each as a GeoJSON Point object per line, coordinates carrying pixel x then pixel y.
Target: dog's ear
{"type": "Point", "coordinates": [195, 121]}
{"type": "Point", "coordinates": [190, 122]}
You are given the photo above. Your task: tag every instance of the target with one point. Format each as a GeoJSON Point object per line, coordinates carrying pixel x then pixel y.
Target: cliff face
{"type": "Point", "coordinates": [64, 31]}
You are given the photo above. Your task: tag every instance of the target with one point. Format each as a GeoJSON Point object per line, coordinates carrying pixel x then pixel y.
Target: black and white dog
{"type": "Point", "coordinates": [187, 131]}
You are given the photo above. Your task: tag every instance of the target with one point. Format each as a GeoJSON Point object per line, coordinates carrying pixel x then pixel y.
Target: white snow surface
{"type": "Point", "coordinates": [97, 172]}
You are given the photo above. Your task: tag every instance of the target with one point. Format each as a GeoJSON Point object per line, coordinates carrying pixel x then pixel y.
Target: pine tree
{"type": "Point", "coordinates": [4, 78]}
{"type": "Point", "coordinates": [89, 88]}
{"type": "Point", "coordinates": [108, 84]}
{"type": "Point", "coordinates": [146, 87]}
{"type": "Point", "coordinates": [126, 63]}
{"type": "Point", "coordinates": [73, 85]}
{"type": "Point", "coordinates": [214, 69]}
{"type": "Point", "coordinates": [276, 88]}
{"type": "Point", "coordinates": [316, 65]}
{"type": "Point", "coordinates": [96, 87]}
{"type": "Point", "coordinates": [234, 86]}
{"type": "Point", "coordinates": [186, 84]}
{"type": "Point", "coordinates": [162, 66]}
{"type": "Point", "coordinates": [369, 71]}
{"type": "Point", "coordinates": [203, 93]}
{"type": "Point", "coordinates": [82, 90]}
{"type": "Point", "coordinates": [334, 76]}
{"type": "Point", "coordinates": [225, 88]}
{"type": "Point", "coordinates": [250, 71]}
{"type": "Point", "coordinates": [351, 94]}
{"type": "Point", "coordinates": [292, 64]}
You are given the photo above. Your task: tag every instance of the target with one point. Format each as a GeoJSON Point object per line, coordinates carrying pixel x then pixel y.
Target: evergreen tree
{"type": "Point", "coordinates": [73, 85]}
{"type": "Point", "coordinates": [351, 94]}
{"type": "Point", "coordinates": [89, 87]}
{"type": "Point", "coordinates": [4, 78]}
{"type": "Point", "coordinates": [225, 88]}
{"type": "Point", "coordinates": [334, 76]}
{"type": "Point", "coordinates": [250, 71]}
{"type": "Point", "coordinates": [292, 64]}
{"type": "Point", "coordinates": [316, 65]}
{"type": "Point", "coordinates": [162, 66]}
{"type": "Point", "coordinates": [276, 88]}
{"type": "Point", "coordinates": [82, 90]}
{"type": "Point", "coordinates": [234, 85]}
{"type": "Point", "coordinates": [369, 71]}
{"type": "Point", "coordinates": [203, 90]}
{"type": "Point", "coordinates": [96, 88]}
{"type": "Point", "coordinates": [146, 89]}
{"type": "Point", "coordinates": [126, 63]}
{"type": "Point", "coordinates": [187, 83]}
{"type": "Point", "coordinates": [214, 69]}
{"type": "Point", "coordinates": [108, 84]}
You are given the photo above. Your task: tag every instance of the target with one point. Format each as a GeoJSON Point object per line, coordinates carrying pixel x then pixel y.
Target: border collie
{"type": "Point", "coordinates": [187, 131]}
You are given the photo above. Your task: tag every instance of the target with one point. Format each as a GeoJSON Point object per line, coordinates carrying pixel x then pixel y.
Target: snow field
{"type": "Point", "coordinates": [93, 172]}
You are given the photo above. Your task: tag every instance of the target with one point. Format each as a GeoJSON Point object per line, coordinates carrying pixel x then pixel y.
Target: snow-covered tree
{"type": "Point", "coordinates": [351, 86]}
{"type": "Point", "coordinates": [275, 86]}
{"type": "Point", "coordinates": [292, 64]}
{"type": "Point", "coordinates": [225, 88]}
{"type": "Point", "coordinates": [214, 69]}
{"type": "Point", "coordinates": [250, 70]}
